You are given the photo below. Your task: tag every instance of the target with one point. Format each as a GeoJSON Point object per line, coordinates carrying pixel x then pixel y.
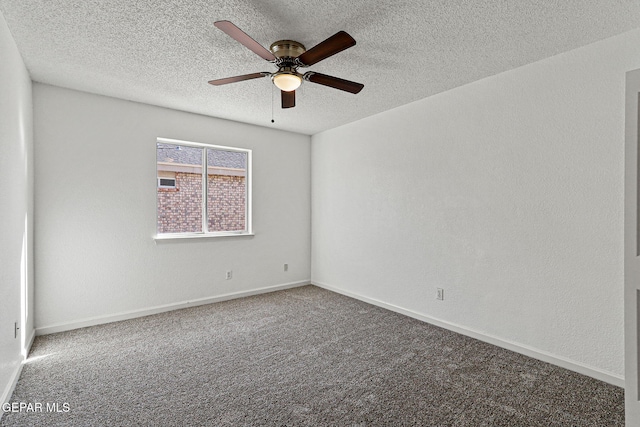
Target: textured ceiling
{"type": "Point", "coordinates": [163, 52]}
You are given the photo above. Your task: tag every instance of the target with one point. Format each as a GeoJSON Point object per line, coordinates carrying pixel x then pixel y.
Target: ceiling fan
{"type": "Point", "coordinates": [288, 56]}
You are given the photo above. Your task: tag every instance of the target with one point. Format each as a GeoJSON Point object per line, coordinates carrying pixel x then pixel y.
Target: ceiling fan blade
{"type": "Point", "coordinates": [334, 44]}
{"type": "Point", "coordinates": [228, 80]}
{"type": "Point", "coordinates": [242, 37]}
{"type": "Point", "coordinates": [288, 99]}
{"type": "Point", "coordinates": [334, 82]}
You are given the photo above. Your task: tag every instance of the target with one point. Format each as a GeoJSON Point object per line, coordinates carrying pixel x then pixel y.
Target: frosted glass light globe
{"type": "Point", "coordinates": [287, 81]}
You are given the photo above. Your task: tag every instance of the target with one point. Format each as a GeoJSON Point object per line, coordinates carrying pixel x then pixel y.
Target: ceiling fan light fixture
{"type": "Point", "coordinates": [287, 80]}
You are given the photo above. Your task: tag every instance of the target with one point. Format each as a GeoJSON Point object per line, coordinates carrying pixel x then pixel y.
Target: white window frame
{"type": "Point", "coordinates": [248, 231]}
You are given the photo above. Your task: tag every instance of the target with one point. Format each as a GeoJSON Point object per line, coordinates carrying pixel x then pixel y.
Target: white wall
{"type": "Point", "coordinates": [507, 193]}
{"type": "Point", "coordinates": [16, 208]}
{"type": "Point", "coordinates": [96, 211]}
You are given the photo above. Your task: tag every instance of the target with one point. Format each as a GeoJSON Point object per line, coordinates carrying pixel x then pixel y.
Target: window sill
{"type": "Point", "coordinates": [182, 236]}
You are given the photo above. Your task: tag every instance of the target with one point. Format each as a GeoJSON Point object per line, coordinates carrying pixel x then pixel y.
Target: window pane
{"type": "Point", "coordinates": [227, 190]}
{"type": "Point", "coordinates": [179, 208]}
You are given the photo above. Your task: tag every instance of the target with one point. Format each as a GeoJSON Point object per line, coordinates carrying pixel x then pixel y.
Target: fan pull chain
{"type": "Point", "coordinates": [272, 121]}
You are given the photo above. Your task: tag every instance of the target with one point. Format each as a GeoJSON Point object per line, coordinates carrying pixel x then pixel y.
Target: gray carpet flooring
{"type": "Point", "coordinates": [300, 357]}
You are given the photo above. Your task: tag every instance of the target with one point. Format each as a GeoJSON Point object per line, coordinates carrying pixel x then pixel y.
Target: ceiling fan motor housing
{"type": "Point", "coordinates": [287, 49]}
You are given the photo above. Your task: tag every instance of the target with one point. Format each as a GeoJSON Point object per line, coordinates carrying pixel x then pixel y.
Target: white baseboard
{"type": "Point", "coordinates": [572, 365]}
{"type": "Point", "coordinates": [98, 320]}
{"type": "Point", "coordinates": [11, 385]}
{"type": "Point", "coordinates": [8, 390]}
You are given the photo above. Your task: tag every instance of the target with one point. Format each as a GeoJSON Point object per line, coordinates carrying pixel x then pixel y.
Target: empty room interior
{"type": "Point", "coordinates": [436, 224]}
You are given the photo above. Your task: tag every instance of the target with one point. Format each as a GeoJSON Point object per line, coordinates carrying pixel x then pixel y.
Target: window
{"type": "Point", "coordinates": [186, 171]}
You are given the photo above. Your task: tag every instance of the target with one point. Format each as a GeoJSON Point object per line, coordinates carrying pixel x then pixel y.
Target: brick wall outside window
{"type": "Point", "coordinates": [226, 203]}
{"type": "Point", "coordinates": [180, 209]}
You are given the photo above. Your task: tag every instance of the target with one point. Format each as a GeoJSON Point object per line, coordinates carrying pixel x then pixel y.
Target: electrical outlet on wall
{"type": "Point", "coordinates": [286, 267]}
{"type": "Point", "coordinates": [440, 294]}
{"type": "Point", "coordinates": [229, 275]}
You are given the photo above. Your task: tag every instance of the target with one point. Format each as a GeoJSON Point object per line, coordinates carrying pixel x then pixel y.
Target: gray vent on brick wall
{"type": "Point", "coordinates": [166, 182]}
